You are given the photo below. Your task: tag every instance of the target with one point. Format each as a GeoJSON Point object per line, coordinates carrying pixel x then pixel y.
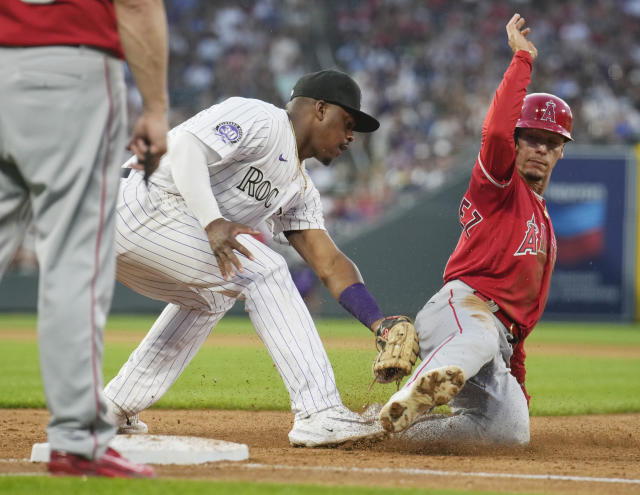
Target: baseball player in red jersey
{"type": "Point", "coordinates": [497, 279]}
{"type": "Point", "coordinates": [62, 134]}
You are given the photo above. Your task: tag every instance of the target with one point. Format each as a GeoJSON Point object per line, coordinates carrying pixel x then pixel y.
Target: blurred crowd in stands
{"type": "Point", "coordinates": [427, 68]}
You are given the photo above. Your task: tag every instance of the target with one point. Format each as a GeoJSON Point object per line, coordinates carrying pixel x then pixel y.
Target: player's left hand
{"type": "Point", "coordinates": [397, 343]}
{"type": "Point", "coordinates": [222, 239]}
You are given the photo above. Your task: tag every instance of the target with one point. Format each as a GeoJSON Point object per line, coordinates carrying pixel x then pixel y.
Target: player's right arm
{"type": "Point", "coordinates": [337, 272]}
{"type": "Point", "coordinates": [497, 152]}
{"type": "Point", "coordinates": [188, 159]}
{"type": "Point", "coordinates": [142, 26]}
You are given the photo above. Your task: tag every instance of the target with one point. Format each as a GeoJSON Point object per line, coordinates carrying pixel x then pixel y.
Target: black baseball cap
{"type": "Point", "coordinates": [338, 88]}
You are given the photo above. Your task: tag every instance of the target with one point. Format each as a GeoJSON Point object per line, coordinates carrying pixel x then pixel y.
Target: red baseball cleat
{"type": "Point", "coordinates": [111, 465]}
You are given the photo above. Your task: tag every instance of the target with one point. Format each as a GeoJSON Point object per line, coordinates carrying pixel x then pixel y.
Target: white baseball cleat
{"type": "Point", "coordinates": [434, 388]}
{"type": "Point", "coordinates": [133, 426]}
{"type": "Point", "coordinates": [332, 426]}
{"type": "Point", "coordinates": [127, 424]}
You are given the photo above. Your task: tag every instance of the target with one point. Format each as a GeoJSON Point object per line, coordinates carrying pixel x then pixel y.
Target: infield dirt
{"type": "Point", "coordinates": [604, 446]}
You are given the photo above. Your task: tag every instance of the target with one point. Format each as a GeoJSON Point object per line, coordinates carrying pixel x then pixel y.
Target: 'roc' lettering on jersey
{"type": "Point", "coordinates": [257, 188]}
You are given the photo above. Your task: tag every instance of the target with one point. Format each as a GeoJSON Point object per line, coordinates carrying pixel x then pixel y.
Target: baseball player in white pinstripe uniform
{"type": "Point", "coordinates": [187, 239]}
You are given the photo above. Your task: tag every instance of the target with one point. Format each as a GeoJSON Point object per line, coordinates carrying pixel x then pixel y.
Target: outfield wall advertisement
{"type": "Point", "coordinates": [592, 203]}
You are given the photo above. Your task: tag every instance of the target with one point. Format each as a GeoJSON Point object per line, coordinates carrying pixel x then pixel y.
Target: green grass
{"type": "Point", "coordinates": [230, 325]}
{"type": "Point", "coordinates": [21, 385]}
{"type": "Point", "coordinates": [227, 377]}
{"type": "Point", "coordinates": [596, 334]}
{"type": "Point", "coordinates": [565, 385]}
{"type": "Point", "coordinates": [99, 486]}
{"type": "Point", "coordinates": [218, 378]}
{"type": "Point", "coordinates": [588, 333]}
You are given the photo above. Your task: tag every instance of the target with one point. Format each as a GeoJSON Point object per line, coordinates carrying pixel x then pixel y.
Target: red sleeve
{"type": "Point", "coordinates": [497, 152]}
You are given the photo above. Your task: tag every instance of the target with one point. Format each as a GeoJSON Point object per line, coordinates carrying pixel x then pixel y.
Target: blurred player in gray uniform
{"type": "Point", "coordinates": [188, 240]}
{"type": "Point", "coordinates": [62, 136]}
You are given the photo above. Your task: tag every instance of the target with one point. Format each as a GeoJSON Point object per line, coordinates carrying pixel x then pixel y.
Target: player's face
{"type": "Point", "coordinates": [537, 152]}
{"type": "Point", "coordinates": [333, 134]}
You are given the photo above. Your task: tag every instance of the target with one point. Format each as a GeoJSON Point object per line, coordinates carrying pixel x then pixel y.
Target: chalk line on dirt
{"type": "Point", "coordinates": [433, 472]}
{"type": "Point", "coordinates": [410, 471]}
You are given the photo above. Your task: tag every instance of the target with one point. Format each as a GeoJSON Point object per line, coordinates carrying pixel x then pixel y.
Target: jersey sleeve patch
{"type": "Point", "coordinates": [235, 128]}
{"type": "Point", "coordinates": [229, 132]}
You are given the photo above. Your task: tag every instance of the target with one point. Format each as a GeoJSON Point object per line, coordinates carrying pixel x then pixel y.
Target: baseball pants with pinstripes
{"type": "Point", "coordinates": [163, 253]}
{"type": "Point", "coordinates": [456, 328]}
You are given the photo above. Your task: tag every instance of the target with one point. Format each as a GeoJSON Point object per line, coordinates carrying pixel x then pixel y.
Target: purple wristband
{"type": "Point", "coordinates": [358, 301]}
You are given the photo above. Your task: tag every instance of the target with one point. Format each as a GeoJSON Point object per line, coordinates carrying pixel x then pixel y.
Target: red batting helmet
{"type": "Point", "coordinates": [547, 112]}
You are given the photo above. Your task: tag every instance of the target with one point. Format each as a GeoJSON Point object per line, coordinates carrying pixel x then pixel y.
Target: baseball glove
{"type": "Point", "coordinates": [397, 343]}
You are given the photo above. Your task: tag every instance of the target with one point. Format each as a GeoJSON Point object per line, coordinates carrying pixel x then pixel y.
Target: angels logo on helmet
{"type": "Point", "coordinates": [550, 112]}
{"type": "Point", "coordinates": [547, 112]}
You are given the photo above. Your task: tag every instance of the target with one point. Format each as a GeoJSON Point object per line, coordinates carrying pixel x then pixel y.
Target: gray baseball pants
{"type": "Point", "coordinates": [456, 328]}
{"type": "Point", "coordinates": [62, 138]}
